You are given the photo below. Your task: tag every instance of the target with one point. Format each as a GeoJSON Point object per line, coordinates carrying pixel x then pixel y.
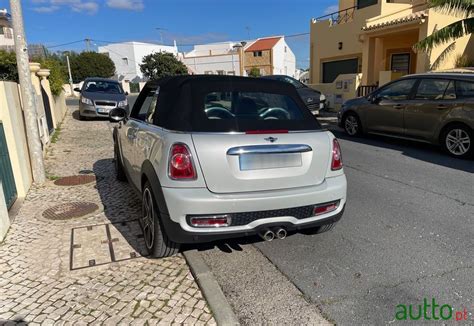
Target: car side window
{"type": "Point", "coordinates": [450, 93]}
{"type": "Point", "coordinates": [465, 89]}
{"type": "Point", "coordinates": [144, 110]}
{"type": "Point", "coordinates": [397, 91]}
{"type": "Point", "coordinates": [432, 89]}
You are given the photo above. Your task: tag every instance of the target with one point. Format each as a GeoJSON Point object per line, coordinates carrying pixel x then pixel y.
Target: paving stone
{"type": "Point", "coordinates": [36, 280]}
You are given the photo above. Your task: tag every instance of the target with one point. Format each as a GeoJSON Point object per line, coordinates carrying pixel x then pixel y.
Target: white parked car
{"type": "Point", "coordinates": [217, 157]}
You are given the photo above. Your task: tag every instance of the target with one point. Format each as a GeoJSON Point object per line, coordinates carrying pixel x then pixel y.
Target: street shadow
{"type": "Point", "coordinates": [420, 151]}
{"type": "Point", "coordinates": [122, 207]}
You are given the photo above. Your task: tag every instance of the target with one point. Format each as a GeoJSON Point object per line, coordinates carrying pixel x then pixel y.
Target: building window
{"type": "Point", "coordinates": [400, 63]}
{"type": "Point", "coordinates": [220, 72]}
{"type": "Point", "coordinates": [125, 61]}
{"type": "Point", "coordinates": [366, 3]}
{"type": "Point", "coordinates": [257, 53]}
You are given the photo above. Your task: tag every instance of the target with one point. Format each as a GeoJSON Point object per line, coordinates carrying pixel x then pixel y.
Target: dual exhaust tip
{"type": "Point", "coordinates": [269, 235]}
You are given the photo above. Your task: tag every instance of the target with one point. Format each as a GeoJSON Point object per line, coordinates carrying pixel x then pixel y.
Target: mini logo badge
{"type": "Point", "coordinates": [310, 100]}
{"type": "Point", "coordinates": [271, 139]}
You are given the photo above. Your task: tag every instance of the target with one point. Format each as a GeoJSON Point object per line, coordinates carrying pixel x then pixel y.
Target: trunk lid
{"type": "Point", "coordinates": [233, 163]}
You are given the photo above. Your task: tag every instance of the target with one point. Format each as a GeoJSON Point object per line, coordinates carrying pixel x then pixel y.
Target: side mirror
{"type": "Point", "coordinates": [77, 89]}
{"type": "Point", "coordinates": [117, 115]}
{"type": "Point", "coordinates": [126, 93]}
{"type": "Point", "coordinates": [374, 99]}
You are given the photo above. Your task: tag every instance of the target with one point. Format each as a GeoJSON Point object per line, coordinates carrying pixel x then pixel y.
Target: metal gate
{"type": "Point", "coordinates": [6, 172]}
{"type": "Point", "coordinates": [47, 110]}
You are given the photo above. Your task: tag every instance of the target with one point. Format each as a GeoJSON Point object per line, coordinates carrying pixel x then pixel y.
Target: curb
{"type": "Point", "coordinates": [220, 307]}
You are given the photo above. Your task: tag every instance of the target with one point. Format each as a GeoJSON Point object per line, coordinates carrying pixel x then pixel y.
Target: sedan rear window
{"type": "Point", "coordinates": [250, 106]}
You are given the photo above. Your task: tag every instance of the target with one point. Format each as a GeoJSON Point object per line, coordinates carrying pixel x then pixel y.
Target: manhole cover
{"type": "Point", "coordinates": [69, 211]}
{"type": "Point", "coordinates": [75, 180]}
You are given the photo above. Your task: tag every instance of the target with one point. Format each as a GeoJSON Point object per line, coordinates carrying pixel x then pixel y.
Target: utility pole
{"type": "Point", "coordinates": [28, 94]}
{"type": "Point", "coordinates": [88, 44]}
{"type": "Point", "coordinates": [70, 76]}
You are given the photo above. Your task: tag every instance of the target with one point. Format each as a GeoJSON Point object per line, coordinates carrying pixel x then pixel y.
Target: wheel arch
{"type": "Point", "coordinates": [149, 174]}
{"type": "Point", "coordinates": [346, 113]}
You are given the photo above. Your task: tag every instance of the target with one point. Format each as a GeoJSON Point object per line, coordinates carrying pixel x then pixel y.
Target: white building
{"type": "Point", "coordinates": [128, 56]}
{"type": "Point", "coordinates": [6, 32]}
{"type": "Point", "coordinates": [214, 59]}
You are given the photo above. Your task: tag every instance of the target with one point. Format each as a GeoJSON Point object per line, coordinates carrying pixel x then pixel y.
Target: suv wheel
{"type": "Point", "coordinates": [351, 124]}
{"type": "Point", "coordinates": [458, 140]}
{"type": "Point", "coordinates": [157, 242]}
{"type": "Point", "coordinates": [119, 171]}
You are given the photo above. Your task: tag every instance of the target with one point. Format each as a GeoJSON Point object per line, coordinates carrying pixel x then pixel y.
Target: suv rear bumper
{"type": "Point", "coordinates": [182, 202]}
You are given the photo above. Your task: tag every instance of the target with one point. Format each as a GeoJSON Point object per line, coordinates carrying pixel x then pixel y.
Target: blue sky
{"type": "Point", "coordinates": [53, 22]}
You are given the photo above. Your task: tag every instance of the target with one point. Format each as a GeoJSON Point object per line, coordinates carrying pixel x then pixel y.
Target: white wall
{"type": "Point", "coordinates": [284, 63]}
{"type": "Point", "coordinates": [134, 52]}
{"type": "Point", "coordinates": [204, 64]}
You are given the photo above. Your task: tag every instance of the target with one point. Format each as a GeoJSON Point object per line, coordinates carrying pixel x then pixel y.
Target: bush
{"type": "Point", "coordinates": [254, 72]}
{"type": "Point", "coordinates": [91, 64]}
{"type": "Point", "coordinates": [159, 65]}
{"type": "Point", "coordinates": [8, 68]}
{"type": "Point", "coordinates": [463, 61]}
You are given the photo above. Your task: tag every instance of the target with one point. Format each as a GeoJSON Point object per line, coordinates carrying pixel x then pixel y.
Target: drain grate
{"type": "Point", "coordinates": [75, 180]}
{"type": "Point", "coordinates": [69, 211]}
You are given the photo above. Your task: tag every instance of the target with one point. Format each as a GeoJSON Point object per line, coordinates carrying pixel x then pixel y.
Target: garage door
{"type": "Point", "coordinates": [335, 68]}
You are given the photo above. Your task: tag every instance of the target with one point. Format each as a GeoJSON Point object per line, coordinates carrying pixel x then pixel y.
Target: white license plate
{"type": "Point", "coordinates": [269, 161]}
{"type": "Point", "coordinates": [100, 110]}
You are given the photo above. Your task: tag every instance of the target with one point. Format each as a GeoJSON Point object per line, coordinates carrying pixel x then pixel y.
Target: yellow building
{"type": "Point", "coordinates": [373, 40]}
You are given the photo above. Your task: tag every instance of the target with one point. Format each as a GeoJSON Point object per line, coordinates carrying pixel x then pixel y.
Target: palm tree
{"type": "Point", "coordinates": [460, 28]}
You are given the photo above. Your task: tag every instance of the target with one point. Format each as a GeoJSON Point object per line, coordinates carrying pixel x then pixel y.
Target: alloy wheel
{"type": "Point", "coordinates": [458, 142]}
{"type": "Point", "coordinates": [351, 125]}
{"type": "Point", "coordinates": [148, 218]}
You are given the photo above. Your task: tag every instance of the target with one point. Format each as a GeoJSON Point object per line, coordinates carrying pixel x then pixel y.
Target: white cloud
{"type": "Point", "coordinates": [86, 6]}
{"type": "Point", "coordinates": [331, 9]}
{"type": "Point", "coordinates": [136, 5]}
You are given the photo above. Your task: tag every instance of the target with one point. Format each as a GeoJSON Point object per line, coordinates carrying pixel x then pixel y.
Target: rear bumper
{"type": "Point", "coordinates": [182, 202]}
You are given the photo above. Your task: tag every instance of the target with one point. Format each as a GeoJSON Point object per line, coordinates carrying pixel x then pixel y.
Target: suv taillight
{"type": "Point", "coordinates": [181, 165]}
{"type": "Point", "coordinates": [336, 163]}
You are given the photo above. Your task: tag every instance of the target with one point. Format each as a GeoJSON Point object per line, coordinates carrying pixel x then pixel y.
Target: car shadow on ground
{"type": "Point", "coordinates": [420, 151]}
{"type": "Point", "coordinates": [122, 207]}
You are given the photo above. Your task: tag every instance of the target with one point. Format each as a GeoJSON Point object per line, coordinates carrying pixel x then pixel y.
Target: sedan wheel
{"type": "Point", "coordinates": [458, 142]}
{"type": "Point", "coordinates": [148, 218]}
{"type": "Point", "coordinates": [351, 125]}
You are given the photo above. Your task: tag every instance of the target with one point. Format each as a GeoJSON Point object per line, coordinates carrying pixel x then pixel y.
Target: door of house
{"type": "Point", "coordinates": [400, 62]}
{"type": "Point", "coordinates": [6, 172]}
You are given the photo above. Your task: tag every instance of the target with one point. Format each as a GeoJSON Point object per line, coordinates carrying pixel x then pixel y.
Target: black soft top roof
{"type": "Point", "coordinates": [181, 99]}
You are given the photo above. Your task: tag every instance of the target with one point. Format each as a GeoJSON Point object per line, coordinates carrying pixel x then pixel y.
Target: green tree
{"type": "Point", "coordinates": [465, 26]}
{"type": "Point", "coordinates": [159, 65]}
{"type": "Point", "coordinates": [254, 72]}
{"type": "Point", "coordinates": [8, 68]}
{"type": "Point", "coordinates": [91, 64]}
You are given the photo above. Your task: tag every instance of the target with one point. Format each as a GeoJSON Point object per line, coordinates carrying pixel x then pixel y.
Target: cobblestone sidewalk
{"type": "Point", "coordinates": [90, 270]}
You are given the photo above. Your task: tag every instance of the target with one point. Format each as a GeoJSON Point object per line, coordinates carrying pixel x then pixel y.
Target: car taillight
{"type": "Point", "coordinates": [181, 165]}
{"type": "Point", "coordinates": [336, 163]}
{"type": "Point", "coordinates": [210, 221]}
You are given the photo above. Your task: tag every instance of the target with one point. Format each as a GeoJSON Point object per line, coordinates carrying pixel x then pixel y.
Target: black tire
{"type": "Point", "coordinates": [458, 141]}
{"type": "Point", "coordinates": [351, 124]}
{"type": "Point", "coordinates": [158, 244]}
{"type": "Point", "coordinates": [119, 171]}
{"type": "Point", "coordinates": [319, 229]}
{"type": "Point", "coordinates": [81, 117]}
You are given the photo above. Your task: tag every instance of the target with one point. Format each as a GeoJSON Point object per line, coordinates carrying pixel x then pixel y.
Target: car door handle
{"type": "Point", "coordinates": [398, 106]}
{"type": "Point", "coordinates": [441, 107]}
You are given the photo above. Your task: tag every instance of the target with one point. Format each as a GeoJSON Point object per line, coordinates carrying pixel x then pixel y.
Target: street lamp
{"type": "Point", "coordinates": [240, 46]}
{"type": "Point", "coordinates": [160, 29]}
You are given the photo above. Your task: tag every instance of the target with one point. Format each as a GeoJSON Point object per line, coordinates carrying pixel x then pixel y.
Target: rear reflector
{"type": "Point", "coordinates": [210, 221]}
{"type": "Point", "coordinates": [260, 132]}
{"type": "Point", "coordinates": [325, 208]}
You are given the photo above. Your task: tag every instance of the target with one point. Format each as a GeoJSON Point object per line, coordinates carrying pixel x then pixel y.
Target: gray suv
{"type": "Point", "coordinates": [437, 108]}
{"type": "Point", "coordinates": [99, 96]}
{"type": "Point", "coordinates": [216, 157]}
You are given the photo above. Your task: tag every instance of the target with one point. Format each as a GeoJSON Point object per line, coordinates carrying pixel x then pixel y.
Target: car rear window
{"type": "Point", "coordinates": [250, 106]}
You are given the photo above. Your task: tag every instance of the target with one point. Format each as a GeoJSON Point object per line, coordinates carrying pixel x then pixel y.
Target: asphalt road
{"type": "Point", "coordinates": [407, 234]}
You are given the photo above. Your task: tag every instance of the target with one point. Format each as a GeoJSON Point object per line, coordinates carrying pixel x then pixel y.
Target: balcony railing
{"type": "Point", "coordinates": [365, 90]}
{"type": "Point", "coordinates": [339, 17]}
